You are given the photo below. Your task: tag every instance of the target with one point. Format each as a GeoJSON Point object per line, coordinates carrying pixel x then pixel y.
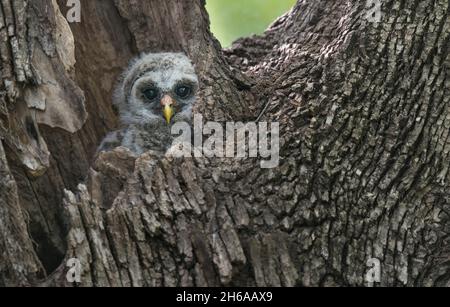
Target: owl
{"type": "Point", "coordinates": [157, 90]}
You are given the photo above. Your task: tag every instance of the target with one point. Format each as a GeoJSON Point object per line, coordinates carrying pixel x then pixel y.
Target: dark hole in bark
{"type": "Point", "coordinates": [31, 129]}
{"type": "Point", "coordinates": [48, 253]}
{"type": "Point", "coordinates": [44, 218]}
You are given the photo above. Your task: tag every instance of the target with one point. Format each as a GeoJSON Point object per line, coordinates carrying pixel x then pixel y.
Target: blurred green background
{"type": "Point", "coordinates": [232, 19]}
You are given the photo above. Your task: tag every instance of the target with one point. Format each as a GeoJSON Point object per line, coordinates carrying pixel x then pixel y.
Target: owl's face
{"type": "Point", "coordinates": [158, 88]}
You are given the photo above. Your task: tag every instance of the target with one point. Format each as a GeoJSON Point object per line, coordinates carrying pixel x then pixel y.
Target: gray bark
{"type": "Point", "coordinates": [364, 110]}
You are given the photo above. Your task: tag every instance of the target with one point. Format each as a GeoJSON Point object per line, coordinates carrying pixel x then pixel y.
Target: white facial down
{"type": "Point", "coordinates": [158, 87]}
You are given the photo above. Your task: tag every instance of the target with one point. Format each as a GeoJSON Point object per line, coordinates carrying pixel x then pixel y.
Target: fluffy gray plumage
{"type": "Point", "coordinates": [149, 81]}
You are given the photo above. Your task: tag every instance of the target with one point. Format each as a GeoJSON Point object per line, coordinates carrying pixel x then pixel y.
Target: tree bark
{"type": "Point", "coordinates": [364, 111]}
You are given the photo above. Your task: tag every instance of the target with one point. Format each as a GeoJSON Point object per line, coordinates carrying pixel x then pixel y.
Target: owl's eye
{"type": "Point", "coordinates": [183, 91]}
{"type": "Point", "coordinates": [151, 93]}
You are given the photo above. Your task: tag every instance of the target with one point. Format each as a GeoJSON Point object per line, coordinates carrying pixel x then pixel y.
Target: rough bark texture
{"type": "Point", "coordinates": [364, 110]}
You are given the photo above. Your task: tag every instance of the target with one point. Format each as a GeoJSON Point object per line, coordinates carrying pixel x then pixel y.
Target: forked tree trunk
{"type": "Point", "coordinates": [364, 109]}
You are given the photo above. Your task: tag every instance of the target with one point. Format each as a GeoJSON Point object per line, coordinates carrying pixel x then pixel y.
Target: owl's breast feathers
{"type": "Point", "coordinates": [142, 138]}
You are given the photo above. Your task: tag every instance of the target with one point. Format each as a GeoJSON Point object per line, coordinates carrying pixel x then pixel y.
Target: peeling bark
{"type": "Point", "coordinates": [364, 111]}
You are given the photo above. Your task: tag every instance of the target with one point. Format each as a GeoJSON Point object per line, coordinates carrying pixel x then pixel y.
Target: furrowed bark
{"type": "Point", "coordinates": [364, 113]}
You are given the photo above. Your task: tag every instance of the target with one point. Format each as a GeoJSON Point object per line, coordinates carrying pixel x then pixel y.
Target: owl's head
{"type": "Point", "coordinates": [157, 87]}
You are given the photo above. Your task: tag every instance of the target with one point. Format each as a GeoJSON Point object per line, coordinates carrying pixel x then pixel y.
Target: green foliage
{"type": "Point", "coordinates": [231, 19]}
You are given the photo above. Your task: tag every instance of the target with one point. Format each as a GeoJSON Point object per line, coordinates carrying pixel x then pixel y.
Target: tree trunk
{"type": "Point", "coordinates": [364, 113]}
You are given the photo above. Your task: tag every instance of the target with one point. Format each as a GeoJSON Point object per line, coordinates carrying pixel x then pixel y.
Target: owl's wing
{"type": "Point", "coordinates": [111, 141]}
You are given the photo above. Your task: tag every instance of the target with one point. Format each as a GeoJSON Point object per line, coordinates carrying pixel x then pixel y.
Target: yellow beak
{"type": "Point", "coordinates": [168, 113]}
